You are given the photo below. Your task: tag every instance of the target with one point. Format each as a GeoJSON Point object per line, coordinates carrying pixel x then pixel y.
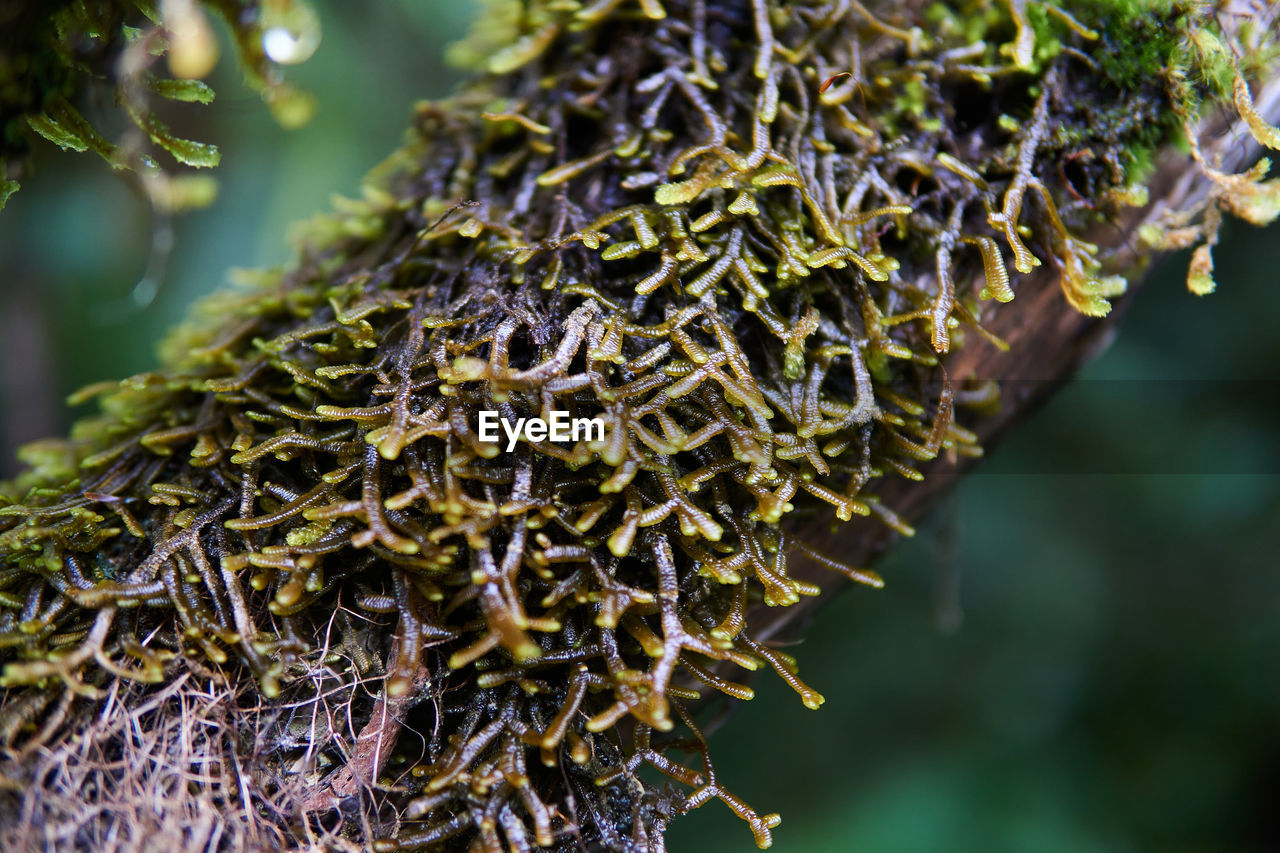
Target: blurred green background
{"type": "Point", "coordinates": [1113, 682]}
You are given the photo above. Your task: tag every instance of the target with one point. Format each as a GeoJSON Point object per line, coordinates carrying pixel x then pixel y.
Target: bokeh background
{"type": "Point", "coordinates": [1079, 651]}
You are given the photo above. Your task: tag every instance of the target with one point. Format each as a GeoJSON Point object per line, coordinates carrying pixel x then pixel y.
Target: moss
{"type": "Point", "coordinates": [656, 215]}
{"type": "Point", "coordinates": [1138, 39]}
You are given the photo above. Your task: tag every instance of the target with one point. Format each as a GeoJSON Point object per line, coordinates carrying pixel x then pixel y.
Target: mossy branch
{"type": "Point", "coordinates": [779, 288]}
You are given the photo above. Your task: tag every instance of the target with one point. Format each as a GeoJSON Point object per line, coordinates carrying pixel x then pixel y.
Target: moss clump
{"type": "Point", "coordinates": [651, 213]}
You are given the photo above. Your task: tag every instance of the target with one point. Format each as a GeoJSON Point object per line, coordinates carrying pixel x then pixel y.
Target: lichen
{"type": "Point", "coordinates": [678, 218]}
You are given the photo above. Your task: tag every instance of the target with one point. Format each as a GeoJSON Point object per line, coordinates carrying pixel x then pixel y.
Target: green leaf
{"type": "Point", "coordinates": [188, 91]}
{"type": "Point", "coordinates": [63, 125]}
{"type": "Point", "coordinates": [7, 188]}
{"type": "Point", "coordinates": [63, 137]}
{"type": "Point", "coordinates": [202, 155]}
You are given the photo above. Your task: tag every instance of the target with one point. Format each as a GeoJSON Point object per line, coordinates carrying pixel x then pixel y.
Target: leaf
{"type": "Point", "coordinates": [202, 155]}
{"type": "Point", "coordinates": [1200, 274]}
{"type": "Point", "coordinates": [7, 188]}
{"type": "Point", "coordinates": [57, 134]}
{"type": "Point", "coordinates": [1247, 195]}
{"type": "Point", "coordinates": [524, 50]}
{"type": "Point", "coordinates": [1256, 202]}
{"type": "Point", "coordinates": [187, 91]}
{"type": "Point", "coordinates": [679, 193]}
{"type": "Point", "coordinates": [997, 274]}
{"type": "Point", "coordinates": [63, 125]}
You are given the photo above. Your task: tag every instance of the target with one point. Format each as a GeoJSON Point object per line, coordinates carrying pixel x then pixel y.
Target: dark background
{"type": "Point", "coordinates": [1112, 683]}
